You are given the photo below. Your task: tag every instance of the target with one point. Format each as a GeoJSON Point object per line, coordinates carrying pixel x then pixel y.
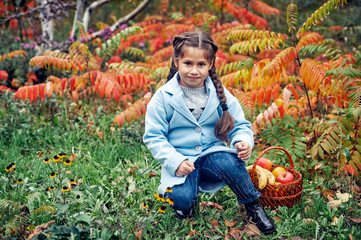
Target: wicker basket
{"type": "Point", "coordinates": [282, 194]}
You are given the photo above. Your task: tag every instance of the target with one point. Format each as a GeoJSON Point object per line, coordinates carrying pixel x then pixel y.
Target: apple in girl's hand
{"type": "Point", "coordinates": [265, 163]}
{"type": "Point", "coordinates": [277, 171]}
{"type": "Point", "coordinates": [285, 177]}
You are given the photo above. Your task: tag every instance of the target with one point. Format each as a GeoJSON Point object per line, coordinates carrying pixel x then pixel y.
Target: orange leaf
{"type": "Point", "coordinates": [268, 95]}
{"type": "Point", "coordinates": [23, 93]}
{"type": "Point", "coordinates": [42, 91]}
{"type": "Point", "coordinates": [116, 94]}
{"type": "Point", "coordinates": [119, 119]}
{"type": "Point", "coordinates": [230, 224]}
{"type": "Point", "coordinates": [63, 83]}
{"type": "Point", "coordinates": [30, 93]}
{"type": "Point", "coordinates": [35, 92]}
{"type": "Point", "coordinates": [276, 92]}
{"type": "Point", "coordinates": [260, 97]}
{"type": "Point", "coordinates": [72, 83]}
{"type": "Point", "coordinates": [127, 116]}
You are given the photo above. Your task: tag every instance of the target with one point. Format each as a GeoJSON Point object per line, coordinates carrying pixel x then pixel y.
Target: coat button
{"type": "Point", "coordinates": [198, 129]}
{"type": "Point", "coordinates": [198, 148]}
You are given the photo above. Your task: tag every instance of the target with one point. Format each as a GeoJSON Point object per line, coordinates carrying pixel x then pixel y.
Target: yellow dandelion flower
{"type": "Point", "coordinates": [145, 206]}
{"type": "Point", "coordinates": [53, 174]}
{"type": "Point", "coordinates": [46, 160]}
{"type": "Point", "coordinates": [162, 199]}
{"type": "Point", "coordinates": [67, 162]}
{"type": "Point", "coordinates": [20, 181]}
{"type": "Point", "coordinates": [51, 188]}
{"type": "Point", "coordinates": [8, 168]}
{"type": "Point", "coordinates": [169, 189]}
{"type": "Point", "coordinates": [72, 181]}
{"type": "Point", "coordinates": [148, 211]}
{"type": "Point", "coordinates": [65, 189]}
{"type": "Point", "coordinates": [161, 209]}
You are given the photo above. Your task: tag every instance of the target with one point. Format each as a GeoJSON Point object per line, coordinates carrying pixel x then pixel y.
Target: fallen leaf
{"type": "Point", "coordinates": [334, 221]}
{"type": "Point", "coordinates": [235, 232]}
{"type": "Point", "coordinates": [277, 219]}
{"type": "Point", "coordinates": [230, 224]}
{"type": "Point", "coordinates": [152, 174]}
{"type": "Point", "coordinates": [329, 194]}
{"type": "Point", "coordinates": [308, 220]}
{"type": "Point", "coordinates": [252, 230]}
{"type": "Point", "coordinates": [193, 232]}
{"type": "Point", "coordinates": [296, 238]}
{"type": "Point", "coordinates": [350, 236]}
{"type": "Point", "coordinates": [317, 166]}
{"type": "Point", "coordinates": [72, 157]}
{"type": "Point", "coordinates": [356, 220]}
{"type": "Point", "coordinates": [344, 197]}
{"type": "Point", "coordinates": [334, 203]}
{"type": "Point", "coordinates": [214, 223]}
{"type": "Point", "coordinates": [131, 170]}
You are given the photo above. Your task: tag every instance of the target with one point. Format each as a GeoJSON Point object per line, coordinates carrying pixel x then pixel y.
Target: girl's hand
{"type": "Point", "coordinates": [244, 150]}
{"type": "Point", "coordinates": [185, 168]}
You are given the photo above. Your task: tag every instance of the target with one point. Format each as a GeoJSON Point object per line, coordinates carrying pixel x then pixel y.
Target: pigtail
{"type": "Point", "coordinates": [226, 123]}
{"type": "Point", "coordinates": [172, 71]}
{"type": "Point", "coordinates": [177, 46]}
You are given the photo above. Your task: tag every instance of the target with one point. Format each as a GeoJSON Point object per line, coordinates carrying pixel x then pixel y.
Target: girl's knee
{"type": "Point", "coordinates": [183, 200]}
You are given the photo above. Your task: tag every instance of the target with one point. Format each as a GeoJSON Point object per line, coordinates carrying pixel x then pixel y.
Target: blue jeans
{"type": "Point", "coordinates": [215, 167]}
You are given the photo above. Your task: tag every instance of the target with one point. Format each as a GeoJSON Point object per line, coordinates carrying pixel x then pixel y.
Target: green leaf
{"type": "Point", "coordinates": [346, 153]}
{"type": "Point", "coordinates": [83, 219]}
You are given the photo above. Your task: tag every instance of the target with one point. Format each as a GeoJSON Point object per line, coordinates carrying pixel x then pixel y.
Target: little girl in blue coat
{"type": "Point", "coordinates": [197, 130]}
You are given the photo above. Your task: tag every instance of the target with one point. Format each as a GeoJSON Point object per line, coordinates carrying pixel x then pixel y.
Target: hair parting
{"type": "Point", "coordinates": [202, 40]}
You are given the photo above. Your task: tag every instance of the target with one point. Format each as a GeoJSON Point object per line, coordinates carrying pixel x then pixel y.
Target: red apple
{"type": "Point", "coordinates": [265, 163]}
{"type": "Point", "coordinates": [285, 177]}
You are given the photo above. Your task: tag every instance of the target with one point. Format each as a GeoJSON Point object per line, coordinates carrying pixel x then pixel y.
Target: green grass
{"type": "Point", "coordinates": [116, 176]}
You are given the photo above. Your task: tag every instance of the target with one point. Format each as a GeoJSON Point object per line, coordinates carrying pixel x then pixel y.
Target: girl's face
{"type": "Point", "coordinates": [193, 67]}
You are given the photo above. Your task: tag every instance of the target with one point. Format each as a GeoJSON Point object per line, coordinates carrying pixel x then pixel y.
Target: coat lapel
{"type": "Point", "coordinates": [177, 100]}
{"type": "Point", "coordinates": [212, 103]}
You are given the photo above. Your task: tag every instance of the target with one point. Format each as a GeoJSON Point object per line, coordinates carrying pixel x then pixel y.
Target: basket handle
{"type": "Point", "coordinates": [265, 151]}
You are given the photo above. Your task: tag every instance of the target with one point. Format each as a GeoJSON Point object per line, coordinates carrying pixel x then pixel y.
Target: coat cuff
{"type": "Point", "coordinates": [173, 164]}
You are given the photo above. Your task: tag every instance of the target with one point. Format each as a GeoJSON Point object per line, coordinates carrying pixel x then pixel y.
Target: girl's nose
{"type": "Point", "coordinates": [194, 70]}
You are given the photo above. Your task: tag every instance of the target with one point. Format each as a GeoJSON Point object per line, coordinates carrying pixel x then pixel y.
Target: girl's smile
{"type": "Point", "coordinates": [193, 67]}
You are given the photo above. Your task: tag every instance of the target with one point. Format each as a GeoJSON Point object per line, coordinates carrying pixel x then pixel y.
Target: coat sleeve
{"type": "Point", "coordinates": [156, 132]}
{"type": "Point", "coordinates": [242, 127]}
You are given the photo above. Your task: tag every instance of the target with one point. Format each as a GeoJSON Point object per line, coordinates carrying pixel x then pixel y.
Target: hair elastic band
{"type": "Point", "coordinates": [224, 107]}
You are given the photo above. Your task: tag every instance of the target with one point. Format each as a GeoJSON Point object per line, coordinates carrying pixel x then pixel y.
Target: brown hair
{"type": "Point", "coordinates": [199, 39]}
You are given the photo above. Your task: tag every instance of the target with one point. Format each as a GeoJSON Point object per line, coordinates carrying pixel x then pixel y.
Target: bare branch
{"type": "Point", "coordinates": [88, 11]}
{"type": "Point", "coordinates": [55, 7]}
{"type": "Point", "coordinates": [117, 25]}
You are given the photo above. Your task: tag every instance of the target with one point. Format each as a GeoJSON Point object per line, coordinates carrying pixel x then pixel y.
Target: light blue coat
{"type": "Point", "coordinates": [172, 134]}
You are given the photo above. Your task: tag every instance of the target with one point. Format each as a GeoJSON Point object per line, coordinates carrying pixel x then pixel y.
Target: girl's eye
{"type": "Point", "coordinates": [202, 64]}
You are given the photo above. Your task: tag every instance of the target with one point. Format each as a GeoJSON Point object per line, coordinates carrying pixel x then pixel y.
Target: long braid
{"type": "Point", "coordinates": [226, 123]}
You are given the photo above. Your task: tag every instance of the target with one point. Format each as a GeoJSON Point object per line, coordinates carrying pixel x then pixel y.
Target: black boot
{"type": "Point", "coordinates": [184, 214]}
{"type": "Point", "coordinates": [256, 214]}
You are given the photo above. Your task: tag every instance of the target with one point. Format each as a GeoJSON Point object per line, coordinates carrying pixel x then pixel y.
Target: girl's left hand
{"type": "Point", "coordinates": [244, 150]}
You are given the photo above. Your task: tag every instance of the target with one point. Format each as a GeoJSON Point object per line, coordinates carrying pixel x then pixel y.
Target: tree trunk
{"type": "Point", "coordinates": [78, 15]}
{"type": "Point", "coordinates": [47, 24]}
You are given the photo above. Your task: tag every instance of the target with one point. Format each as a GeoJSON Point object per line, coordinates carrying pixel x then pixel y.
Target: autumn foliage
{"type": "Point", "coordinates": [272, 74]}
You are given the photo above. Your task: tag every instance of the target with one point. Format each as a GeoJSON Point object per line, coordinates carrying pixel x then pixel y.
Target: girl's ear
{"type": "Point", "coordinates": [175, 61]}
{"type": "Point", "coordinates": [211, 64]}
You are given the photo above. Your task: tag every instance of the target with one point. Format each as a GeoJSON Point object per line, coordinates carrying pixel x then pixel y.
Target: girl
{"type": "Point", "coordinates": [189, 122]}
